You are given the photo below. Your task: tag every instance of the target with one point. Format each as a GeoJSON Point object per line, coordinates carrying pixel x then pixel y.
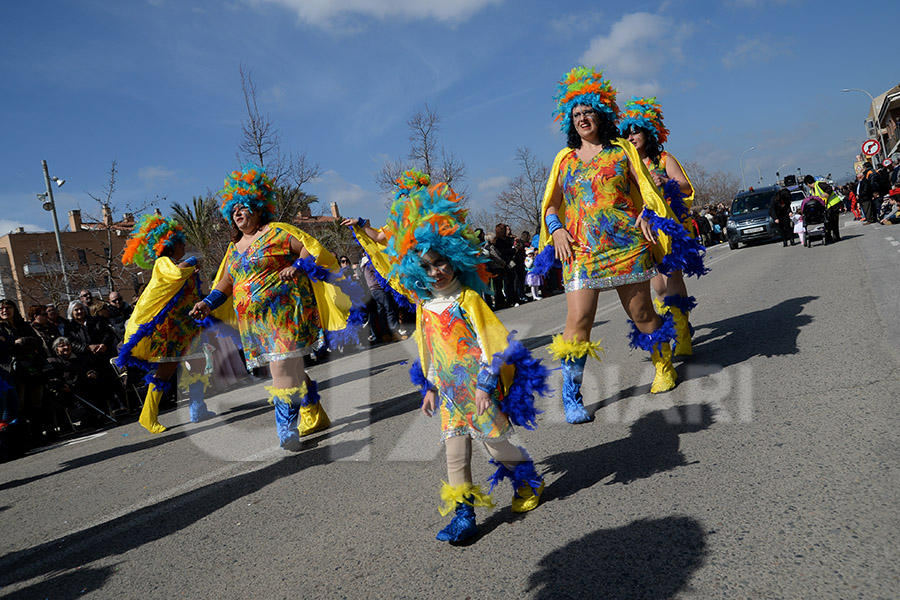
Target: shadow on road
{"type": "Point", "coordinates": [769, 332]}
{"type": "Point", "coordinates": [650, 558]}
{"type": "Point", "coordinates": [231, 416]}
{"type": "Point", "coordinates": [358, 374]}
{"type": "Point", "coordinates": [68, 585]}
{"type": "Point", "coordinates": [651, 448]}
{"type": "Point", "coordinates": [154, 522]}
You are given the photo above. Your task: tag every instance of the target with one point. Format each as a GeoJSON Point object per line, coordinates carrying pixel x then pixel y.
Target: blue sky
{"type": "Point", "coordinates": [155, 86]}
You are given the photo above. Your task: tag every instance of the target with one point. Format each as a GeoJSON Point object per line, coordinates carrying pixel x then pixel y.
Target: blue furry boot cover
{"type": "Point", "coordinates": [462, 526]}
{"type": "Point", "coordinates": [197, 407]}
{"type": "Point", "coordinates": [573, 373]}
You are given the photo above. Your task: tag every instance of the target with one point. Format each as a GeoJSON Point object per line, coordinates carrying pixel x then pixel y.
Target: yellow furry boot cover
{"type": "Point", "coordinates": [666, 377]}
{"type": "Point", "coordinates": [464, 493]}
{"type": "Point", "coordinates": [562, 350]}
{"type": "Point", "coordinates": [150, 411]}
{"type": "Point", "coordinates": [681, 307]}
{"type": "Point", "coordinates": [287, 414]}
{"type": "Point", "coordinates": [312, 416]}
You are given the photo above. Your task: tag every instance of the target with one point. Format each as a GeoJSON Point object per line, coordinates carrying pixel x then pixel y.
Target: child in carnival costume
{"type": "Point", "coordinates": [618, 234]}
{"type": "Point", "coordinates": [470, 369]}
{"type": "Point", "coordinates": [282, 290]}
{"type": "Point", "coordinates": [161, 332]}
{"type": "Point", "coordinates": [642, 124]}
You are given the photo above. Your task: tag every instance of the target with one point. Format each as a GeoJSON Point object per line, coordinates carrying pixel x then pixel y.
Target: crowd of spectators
{"type": "Point", "coordinates": [56, 372]}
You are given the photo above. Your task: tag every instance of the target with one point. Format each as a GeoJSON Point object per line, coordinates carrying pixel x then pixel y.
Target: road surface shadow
{"type": "Point", "coordinates": [769, 332]}
{"type": "Point", "coordinates": [74, 584]}
{"type": "Point", "coordinates": [358, 374]}
{"type": "Point", "coordinates": [649, 558]}
{"type": "Point", "coordinates": [146, 525]}
{"type": "Point", "coordinates": [225, 418]}
{"type": "Point", "coordinates": [544, 340]}
{"type": "Point", "coordinates": [652, 447]}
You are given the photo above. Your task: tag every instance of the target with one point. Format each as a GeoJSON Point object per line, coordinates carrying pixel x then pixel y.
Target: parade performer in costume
{"type": "Point", "coordinates": [470, 369]}
{"type": "Point", "coordinates": [161, 333]}
{"type": "Point", "coordinates": [642, 124]}
{"type": "Point", "coordinates": [284, 302]}
{"type": "Point", "coordinates": [618, 234]}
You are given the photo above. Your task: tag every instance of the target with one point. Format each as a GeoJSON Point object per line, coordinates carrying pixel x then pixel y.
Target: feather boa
{"type": "Point", "coordinates": [530, 378]}
{"type": "Point", "coordinates": [418, 378]}
{"type": "Point", "coordinates": [544, 261]}
{"type": "Point", "coordinates": [523, 474]}
{"type": "Point", "coordinates": [687, 253]}
{"type": "Point", "coordinates": [653, 341]}
{"type": "Point", "coordinates": [682, 303]}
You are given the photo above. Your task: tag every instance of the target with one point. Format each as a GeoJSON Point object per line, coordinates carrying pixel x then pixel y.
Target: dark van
{"type": "Point", "coordinates": [748, 217]}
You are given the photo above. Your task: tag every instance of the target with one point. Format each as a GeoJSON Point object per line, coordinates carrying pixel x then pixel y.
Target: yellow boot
{"type": "Point", "coordinates": [312, 416]}
{"type": "Point", "coordinates": [666, 377]}
{"type": "Point", "coordinates": [151, 407]}
{"type": "Point", "coordinates": [683, 346]}
{"type": "Point", "coordinates": [680, 308]}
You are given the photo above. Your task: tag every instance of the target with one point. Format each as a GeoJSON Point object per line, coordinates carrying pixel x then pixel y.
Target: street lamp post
{"type": "Point", "coordinates": [875, 116]}
{"type": "Point", "coordinates": [741, 161]}
{"type": "Point", "coordinates": [52, 209]}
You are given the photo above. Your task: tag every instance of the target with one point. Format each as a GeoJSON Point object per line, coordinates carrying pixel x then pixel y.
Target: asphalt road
{"type": "Point", "coordinates": [771, 471]}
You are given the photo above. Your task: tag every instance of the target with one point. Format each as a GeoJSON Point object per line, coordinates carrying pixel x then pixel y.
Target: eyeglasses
{"type": "Point", "coordinates": [345, 262]}
{"type": "Point", "coordinates": [588, 113]}
{"type": "Point", "coordinates": [116, 300]}
{"type": "Point", "coordinates": [86, 295]}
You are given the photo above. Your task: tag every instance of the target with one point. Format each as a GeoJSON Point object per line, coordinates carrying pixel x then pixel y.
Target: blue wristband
{"type": "Point", "coordinates": [487, 381]}
{"type": "Point", "coordinates": [553, 223]}
{"type": "Point", "coordinates": [215, 299]}
{"type": "Point", "coordinates": [361, 222]}
{"type": "Point", "coordinates": [191, 261]}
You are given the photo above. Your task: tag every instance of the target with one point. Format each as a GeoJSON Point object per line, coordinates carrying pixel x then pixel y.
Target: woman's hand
{"type": "Point", "coordinates": [482, 401]}
{"type": "Point", "coordinates": [288, 273]}
{"type": "Point", "coordinates": [349, 222]}
{"type": "Point", "coordinates": [562, 244]}
{"type": "Point", "coordinates": [658, 179]}
{"type": "Point", "coordinates": [645, 229]}
{"type": "Point", "coordinates": [201, 310]}
{"type": "Point", "coordinates": [428, 403]}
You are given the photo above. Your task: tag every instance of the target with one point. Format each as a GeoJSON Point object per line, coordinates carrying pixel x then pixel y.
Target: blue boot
{"type": "Point", "coordinates": [573, 373]}
{"type": "Point", "coordinates": [197, 407]}
{"type": "Point", "coordinates": [287, 415]}
{"type": "Point", "coordinates": [462, 526]}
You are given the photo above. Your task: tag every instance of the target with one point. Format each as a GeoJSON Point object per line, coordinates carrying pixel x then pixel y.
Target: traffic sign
{"type": "Point", "coordinates": [871, 147]}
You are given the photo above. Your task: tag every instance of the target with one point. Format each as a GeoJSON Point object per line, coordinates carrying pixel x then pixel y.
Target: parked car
{"type": "Point", "coordinates": [797, 197]}
{"type": "Point", "coordinates": [748, 217]}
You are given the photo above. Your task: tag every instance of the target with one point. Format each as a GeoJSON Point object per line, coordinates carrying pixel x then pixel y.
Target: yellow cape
{"type": "Point", "coordinates": [492, 334]}
{"type": "Point", "coordinates": [333, 304]}
{"type": "Point", "coordinates": [166, 280]}
{"type": "Point", "coordinates": [645, 194]}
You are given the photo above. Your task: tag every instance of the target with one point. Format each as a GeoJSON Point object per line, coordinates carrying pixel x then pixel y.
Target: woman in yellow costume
{"type": "Point", "coordinates": [642, 124]}
{"type": "Point", "coordinates": [161, 333]}
{"type": "Point", "coordinates": [283, 303]}
{"type": "Point", "coordinates": [470, 369]}
{"type": "Point", "coordinates": [611, 228]}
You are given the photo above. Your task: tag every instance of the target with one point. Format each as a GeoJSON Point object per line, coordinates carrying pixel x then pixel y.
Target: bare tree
{"type": "Point", "coordinates": [520, 203]}
{"type": "Point", "coordinates": [109, 270]}
{"type": "Point", "coordinates": [424, 126]}
{"type": "Point", "coordinates": [261, 144]}
{"type": "Point", "coordinates": [711, 188]}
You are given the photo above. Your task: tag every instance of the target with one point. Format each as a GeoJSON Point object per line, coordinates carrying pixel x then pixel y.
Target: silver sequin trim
{"type": "Point", "coordinates": [171, 359]}
{"type": "Point", "coordinates": [263, 359]}
{"type": "Point", "coordinates": [608, 283]}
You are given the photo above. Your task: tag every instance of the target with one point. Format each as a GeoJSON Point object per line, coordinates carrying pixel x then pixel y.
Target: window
{"type": "Point", "coordinates": [82, 257]}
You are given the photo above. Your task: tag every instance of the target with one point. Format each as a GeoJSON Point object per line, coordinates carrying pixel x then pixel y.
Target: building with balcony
{"type": "Point", "coordinates": [31, 272]}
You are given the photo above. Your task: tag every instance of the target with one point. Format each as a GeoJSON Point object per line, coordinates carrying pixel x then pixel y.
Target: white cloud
{"type": "Point", "coordinates": [637, 48]}
{"type": "Point", "coordinates": [353, 200]}
{"type": "Point", "coordinates": [152, 174]}
{"type": "Point", "coordinates": [322, 13]}
{"type": "Point", "coordinates": [492, 185]}
{"type": "Point", "coordinates": [581, 21]}
{"type": "Point", "coordinates": [757, 50]}
{"type": "Point", "coordinates": [6, 226]}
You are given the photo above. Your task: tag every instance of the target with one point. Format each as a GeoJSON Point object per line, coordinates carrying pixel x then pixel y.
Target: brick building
{"type": "Point", "coordinates": [30, 270]}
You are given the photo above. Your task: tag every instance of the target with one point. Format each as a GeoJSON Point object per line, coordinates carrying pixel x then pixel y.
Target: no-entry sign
{"type": "Point", "coordinates": [871, 147]}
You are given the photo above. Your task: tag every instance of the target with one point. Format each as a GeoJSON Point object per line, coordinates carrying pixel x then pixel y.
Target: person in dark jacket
{"type": "Point", "coordinates": [72, 377]}
{"type": "Point", "coordinates": [27, 362]}
{"type": "Point", "coordinates": [865, 193]}
{"type": "Point", "coordinates": [94, 339]}
{"type": "Point", "coordinates": [780, 211]}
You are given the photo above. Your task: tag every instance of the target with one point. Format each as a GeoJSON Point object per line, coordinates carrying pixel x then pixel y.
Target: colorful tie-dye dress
{"type": "Point", "coordinates": [455, 354]}
{"type": "Point", "coordinates": [277, 319]}
{"type": "Point", "coordinates": [609, 248]}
